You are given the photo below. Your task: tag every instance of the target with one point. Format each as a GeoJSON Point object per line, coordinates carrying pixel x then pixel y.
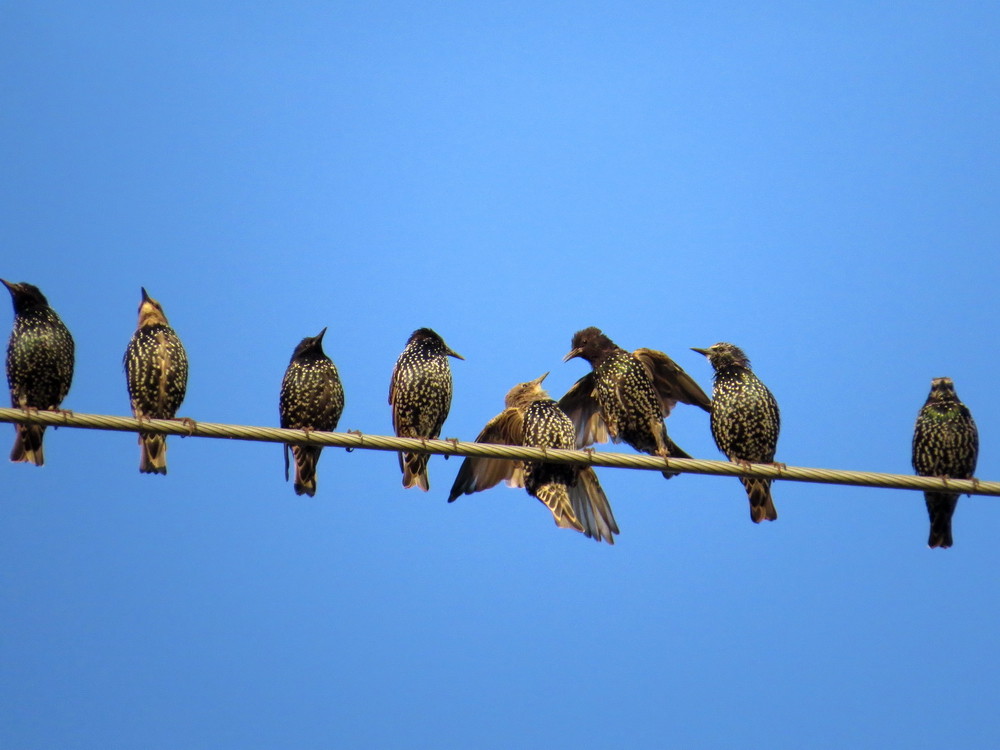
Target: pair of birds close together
{"type": "Point", "coordinates": [40, 361]}
{"type": "Point", "coordinates": [625, 397]}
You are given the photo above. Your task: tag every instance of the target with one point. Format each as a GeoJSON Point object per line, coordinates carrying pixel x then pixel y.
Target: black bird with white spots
{"type": "Point", "coordinates": [312, 398]}
{"type": "Point", "coordinates": [745, 421]}
{"type": "Point", "coordinates": [40, 359]}
{"type": "Point", "coordinates": [945, 444]}
{"type": "Point", "coordinates": [156, 371]}
{"type": "Point", "coordinates": [627, 395]}
{"type": "Point", "coordinates": [420, 396]}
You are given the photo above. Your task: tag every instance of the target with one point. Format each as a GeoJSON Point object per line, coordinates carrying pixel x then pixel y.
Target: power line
{"type": "Point", "coordinates": [451, 447]}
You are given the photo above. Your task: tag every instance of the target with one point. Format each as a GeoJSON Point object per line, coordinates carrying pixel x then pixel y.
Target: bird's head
{"type": "Point", "coordinates": [590, 344]}
{"type": "Point", "coordinates": [150, 311]}
{"type": "Point", "coordinates": [724, 355]}
{"type": "Point", "coordinates": [25, 296]}
{"type": "Point", "coordinates": [522, 394]}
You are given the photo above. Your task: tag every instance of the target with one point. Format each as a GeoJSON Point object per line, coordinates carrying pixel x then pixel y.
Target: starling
{"type": "Point", "coordinates": [420, 395]}
{"type": "Point", "coordinates": [156, 370]}
{"type": "Point", "coordinates": [627, 395]}
{"type": "Point", "coordinates": [39, 365]}
{"type": "Point", "coordinates": [945, 444]}
{"type": "Point", "coordinates": [572, 493]}
{"type": "Point", "coordinates": [312, 398]}
{"type": "Point", "coordinates": [745, 421]}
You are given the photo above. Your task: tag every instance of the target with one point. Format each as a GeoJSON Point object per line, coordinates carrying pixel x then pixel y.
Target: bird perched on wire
{"type": "Point", "coordinates": [312, 398]}
{"type": "Point", "coordinates": [156, 371]}
{"type": "Point", "coordinates": [945, 444]}
{"type": "Point", "coordinates": [627, 395]}
{"type": "Point", "coordinates": [745, 421]}
{"type": "Point", "coordinates": [572, 493]}
{"type": "Point", "coordinates": [420, 396]}
{"type": "Point", "coordinates": [40, 358]}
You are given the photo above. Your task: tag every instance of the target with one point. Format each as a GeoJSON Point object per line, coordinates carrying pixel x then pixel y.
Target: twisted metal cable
{"type": "Point", "coordinates": [453, 447]}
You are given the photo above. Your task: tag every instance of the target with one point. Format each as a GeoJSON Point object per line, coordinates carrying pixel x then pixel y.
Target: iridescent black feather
{"type": "Point", "coordinates": [312, 398]}
{"type": "Point", "coordinates": [945, 444]}
{"type": "Point", "coordinates": [420, 396]}
{"type": "Point", "coordinates": [745, 421]}
{"type": "Point", "coordinates": [40, 359]}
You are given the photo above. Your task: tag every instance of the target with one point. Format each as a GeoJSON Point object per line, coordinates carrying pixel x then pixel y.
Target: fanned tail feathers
{"type": "Point", "coordinates": [556, 498]}
{"type": "Point", "coordinates": [592, 507]}
{"type": "Point", "coordinates": [28, 444]}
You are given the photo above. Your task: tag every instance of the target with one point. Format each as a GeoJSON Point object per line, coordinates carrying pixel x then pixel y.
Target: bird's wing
{"type": "Point", "coordinates": [672, 384]}
{"type": "Point", "coordinates": [477, 474]}
{"type": "Point", "coordinates": [592, 508]}
{"type": "Point", "coordinates": [581, 406]}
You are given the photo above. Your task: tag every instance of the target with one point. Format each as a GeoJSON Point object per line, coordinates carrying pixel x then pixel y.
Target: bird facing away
{"type": "Point", "coordinates": [627, 395]}
{"type": "Point", "coordinates": [572, 493]}
{"type": "Point", "coordinates": [945, 444]}
{"type": "Point", "coordinates": [312, 398]}
{"type": "Point", "coordinates": [40, 357]}
{"type": "Point", "coordinates": [420, 396]}
{"type": "Point", "coordinates": [156, 370]}
{"type": "Point", "coordinates": [745, 421]}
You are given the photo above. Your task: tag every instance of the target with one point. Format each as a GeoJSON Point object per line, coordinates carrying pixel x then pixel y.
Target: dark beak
{"type": "Point", "coordinates": [319, 336]}
{"type": "Point", "coordinates": [538, 381]}
{"type": "Point", "coordinates": [575, 353]}
{"type": "Point", "coordinates": [456, 355]}
{"type": "Point", "coordinates": [145, 294]}
{"type": "Point", "coordinates": [700, 351]}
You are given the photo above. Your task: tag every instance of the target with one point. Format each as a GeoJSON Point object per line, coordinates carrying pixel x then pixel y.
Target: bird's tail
{"type": "Point", "coordinates": [555, 495]}
{"type": "Point", "coordinates": [306, 458]}
{"type": "Point", "coordinates": [414, 466]}
{"type": "Point", "coordinates": [28, 444]}
{"type": "Point", "coordinates": [940, 508]}
{"type": "Point", "coordinates": [592, 508]}
{"type": "Point", "coordinates": [153, 454]}
{"type": "Point", "coordinates": [761, 505]}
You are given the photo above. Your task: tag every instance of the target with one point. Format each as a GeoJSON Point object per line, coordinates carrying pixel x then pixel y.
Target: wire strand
{"type": "Point", "coordinates": [453, 447]}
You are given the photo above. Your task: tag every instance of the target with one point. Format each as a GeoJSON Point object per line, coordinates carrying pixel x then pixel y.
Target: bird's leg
{"type": "Point", "coordinates": [189, 423]}
{"type": "Point", "coordinates": [454, 442]}
{"type": "Point", "coordinates": [779, 466]}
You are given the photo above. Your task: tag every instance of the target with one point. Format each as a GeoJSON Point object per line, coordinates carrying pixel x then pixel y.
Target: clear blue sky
{"type": "Point", "coordinates": [817, 183]}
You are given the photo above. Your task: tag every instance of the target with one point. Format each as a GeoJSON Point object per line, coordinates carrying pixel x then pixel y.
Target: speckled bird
{"type": "Point", "coordinates": [420, 396]}
{"type": "Point", "coordinates": [945, 444]}
{"type": "Point", "coordinates": [156, 371]}
{"type": "Point", "coordinates": [745, 421]}
{"type": "Point", "coordinates": [571, 493]}
{"type": "Point", "coordinates": [312, 398]}
{"type": "Point", "coordinates": [40, 358]}
{"type": "Point", "coordinates": [627, 395]}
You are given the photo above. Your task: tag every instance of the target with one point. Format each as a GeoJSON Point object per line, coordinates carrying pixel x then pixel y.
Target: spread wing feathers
{"type": "Point", "coordinates": [580, 405]}
{"type": "Point", "coordinates": [555, 496]}
{"type": "Point", "coordinates": [478, 474]}
{"type": "Point", "coordinates": [672, 384]}
{"type": "Point", "coordinates": [592, 507]}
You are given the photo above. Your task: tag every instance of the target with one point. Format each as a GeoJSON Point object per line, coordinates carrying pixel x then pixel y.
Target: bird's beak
{"type": "Point", "coordinates": [700, 351]}
{"type": "Point", "coordinates": [320, 335]}
{"type": "Point", "coordinates": [538, 381]}
{"type": "Point", "coordinates": [575, 353]}
{"type": "Point", "coordinates": [9, 285]}
{"type": "Point", "coordinates": [456, 355]}
{"type": "Point", "coordinates": [145, 294]}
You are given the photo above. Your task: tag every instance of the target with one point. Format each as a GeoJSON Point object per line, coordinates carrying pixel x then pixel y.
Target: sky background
{"type": "Point", "coordinates": [816, 183]}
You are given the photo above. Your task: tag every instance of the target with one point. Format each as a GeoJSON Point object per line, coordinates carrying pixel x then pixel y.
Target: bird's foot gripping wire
{"type": "Point", "coordinates": [191, 425]}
